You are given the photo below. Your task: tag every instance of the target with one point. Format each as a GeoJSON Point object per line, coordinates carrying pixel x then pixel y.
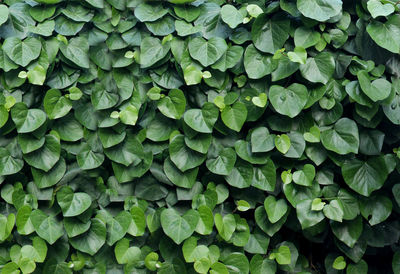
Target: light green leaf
{"type": "Point", "coordinates": [55, 104]}
{"type": "Point", "coordinates": [47, 227]}
{"type": "Point", "coordinates": [343, 138]}
{"type": "Point", "coordinates": [386, 35]}
{"type": "Point", "coordinates": [72, 204]}
{"type": "Point", "coordinates": [207, 52]}
{"type": "Point", "coordinates": [320, 10]}
{"type": "Point", "coordinates": [177, 227]}
{"type": "Point", "coordinates": [231, 16]}
{"type": "Point", "coordinates": [275, 209]}
{"type": "Point", "coordinates": [288, 101]}
{"type": "Point", "coordinates": [22, 52]}
{"type": "Point", "coordinates": [269, 35]}
{"type": "Point", "coordinates": [319, 69]}
{"type": "Point", "coordinates": [234, 116]}
{"type": "Point", "coordinates": [377, 8]}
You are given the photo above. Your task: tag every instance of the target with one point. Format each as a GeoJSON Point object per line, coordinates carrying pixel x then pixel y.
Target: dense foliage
{"type": "Point", "coordinates": [211, 137]}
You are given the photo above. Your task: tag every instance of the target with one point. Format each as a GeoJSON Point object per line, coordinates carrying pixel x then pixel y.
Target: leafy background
{"type": "Point", "coordinates": [212, 136]}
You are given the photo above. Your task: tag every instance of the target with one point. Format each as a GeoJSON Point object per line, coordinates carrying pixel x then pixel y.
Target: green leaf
{"type": "Point", "coordinates": [304, 177]}
{"type": "Point", "coordinates": [348, 231]}
{"type": "Point", "coordinates": [234, 116]}
{"type": "Point", "coordinates": [339, 263]}
{"type": "Point", "coordinates": [27, 120]}
{"type": "Point", "coordinates": [378, 90]}
{"type": "Point", "coordinates": [37, 75]}
{"type": "Point", "coordinates": [202, 120]}
{"type": "Point", "coordinates": [225, 225]}
{"type": "Point", "coordinates": [288, 101]}
{"type": "Point", "coordinates": [152, 51]}
{"type": "Point", "coordinates": [317, 204]}
{"type": "Point", "coordinates": [207, 52]}
{"type": "Point", "coordinates": [386, 35]}
{"type": "Point", "coordinates": [22, 52]}
{"type": "Point", "coordinates": [130, 151]}
{"type": "Point", "coordinates": [147, 12]}
{"type": "Point", "coordinates": [91, 241]}
{"type": "Point", "coordinates": [334, 211]}
{"type": "Point", "coordinates": [125, 254]}
{"type": "Point", "coordinates": [47, 156]}
{"type": "Point", "coordinates": [260, 265]}
{"type": "Point", "coordinates": [9, 164]}
{"type": "Point", "coordinates": [177, 227]}
{"type": "Point", "coordinates": [305, 37]}
{"type": "Point", "coordinates": [47, 227]}
{"type": "Point", "coordinates": [56, 105]}
{"type": "Point", "coordinates": [257, 64]}
{"type": "Point", "coordinates": [76, 51]}
{"type": "Point", "coordinates": [364, 177]}
{"type": "Point", "coordinates": [4, 12]}
{"type": "Point", "coordinates": [283, 255]}
{"type": "Point", "coordinates": [53, 176]}
{"type": "Point", "coordinates": [72, 204]}
{"type": "Point", "coordinates": [173, 105]}
{"type": "Point", "coordinates": [223, 162]}
{"type": "Point", "coordinates": [282, 143]}
{"type": "Point", "coordinates": [23, 221]}
{"type": "Point", "coordinates": [343, 138]}
{"type": "Point", "coordinates": [396, 262]}
{"type": "Point", "coordinates": [129, 115]}
{"type": "Point", "coordinates": [238, 262]}
{"type": "Point", "coordinates": [231, 16]}
{"type": "Point", "coordinates": [7, 225]}
{"type": "Point", "coordinates": [268, 34]}
{"type": "Point", "coordinates": [275, 209]}
{"type": "Point", "coordinates": [320, 10]}
{"type": "Point", "coordinates": [182, 156]}
{"type": "Point", "coordinates": [319, 69]}
{"type": "Point", "coordinates": [306, 216]}
{"type": "Point", "coordinates": [192, 75]}
{"type": "Point", "coordinates": [376, 8]}
{"type": "Point", "coordinates": [262, 140]}
{"type": "Point", "coordinates": [376, 209]}
{"type": "Point", "coordinates": [299, 55]}
{"type": "Point", "coordinates": [182, 179]}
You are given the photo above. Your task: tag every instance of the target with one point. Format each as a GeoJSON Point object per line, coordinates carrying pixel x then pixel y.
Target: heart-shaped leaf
{"type": "Point", "coordinates": [177, 227]}
{"type": "Point", "coordinates": [72, 204]}
{"type": "Point", "coordinates": [275, 209]}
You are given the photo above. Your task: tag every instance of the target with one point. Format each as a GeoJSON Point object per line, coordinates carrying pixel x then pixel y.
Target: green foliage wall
{"type": "Point", "coordinates": [211, 137]}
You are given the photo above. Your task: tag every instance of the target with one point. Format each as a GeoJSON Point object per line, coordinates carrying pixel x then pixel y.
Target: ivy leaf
{"type": "Point", "coordinates": [72, 204]}
{"type": "Point", "coordinates": [275, 209]}
{"type": "Point", "coordinates": [231, 16]}
{"type": "Point", "coordinates": [318, 69]}
{"type": "Point", "coordinates": [125, 254]}
{"type": "Point", "coordinates": [76, 51]}
{"type": "Point", "coordinates": [27, 120]}
{"type": "Point", "coordinates": [22, 52]}
{"type": "Point", "coordinates": [207, 52]}
{"type": "Point", "coordinates": [386, 35]}
{"type": "Point", "coordinates": [269, 35]}
{"type": "Point", "coordinates": [177, 227]}
{"type": "Point", "coordinates": [343, 138]}
{"type": "Point", "coordinates": [56, 105]}
{"type": "Point", "coordinates": [320, 10]}
{"type": "Point", "coordinates": [152, 51]}
{"type": "Point", "coordinates": [173, 105]}
{"type": "Point", "coordinates": [234, 116]}
{"type": "Point", "coordinates": [364, 177]}
{"type": "Point", "coordinates": [47, 227]}
{"type": "Point", "coordinates": [288, 101]}
{"type": "Point", "coordinates": [4, 12]}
